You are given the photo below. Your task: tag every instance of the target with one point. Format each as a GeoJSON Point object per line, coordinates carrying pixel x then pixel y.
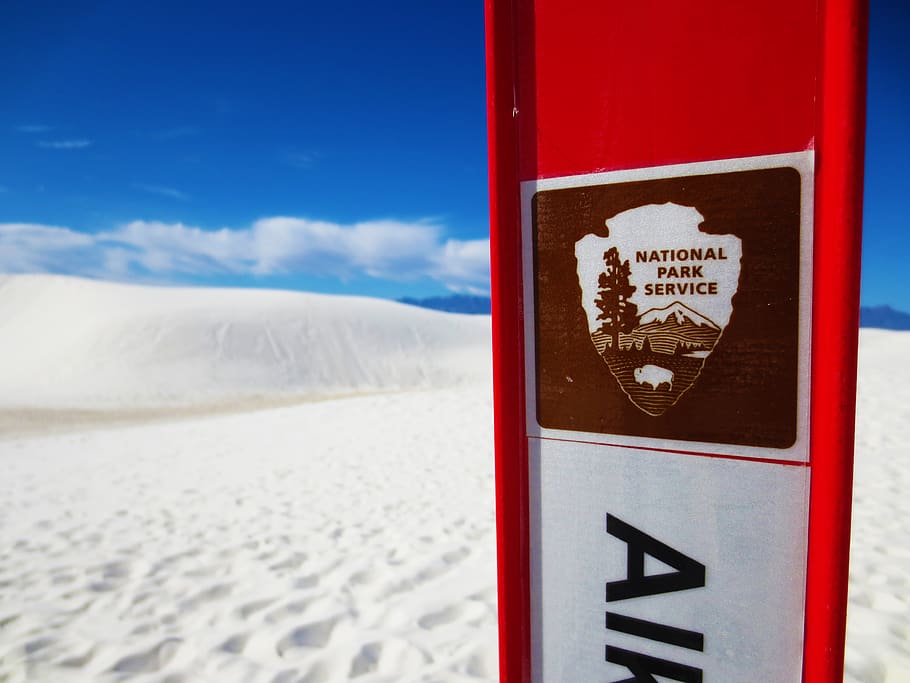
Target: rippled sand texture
{"type": "Point", "coordinates": [878, 617]}
{"type": "Point", "coordinates": [348, 539]}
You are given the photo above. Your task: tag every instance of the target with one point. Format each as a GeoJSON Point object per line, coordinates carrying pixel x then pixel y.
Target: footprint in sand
{"type": "Point", "coordinates": [287, 610]}
{"type": "Point", "coordinates": [447, 615]}
{"type": "Point", "coordinates": [441, 566]}
{"type": "Point", "coordinates": [320, 672]}
{"type": "Point", "coordinates": [210, 594]}
{"type": "Point", "coordinates": [314, 635]}
{"type": "Point", "coordinates": [308, 581]}
{"type": "Point", "coordinates": [116, 570]}
{"type": "Point", "coordinates": [79, 661]}
{"type": "Point", "coordinates": [9, 620]}
{"type": "Point", "coordinates": [393, 656]}
{"type": "Point", "coordinates": [292, 562]}
{"type": "Point", "coordinates": [34, 646]}
{"type": "Point", "coordinates": [286, 676]}
{"type": "Point", "coordinates": [235, 644]}
{"type": "Point", "coordinates": [250, 608]}
{"type": "Point", "coordinates": [151, 660]}
{"type": "Point", "coordinates": [455, 556]}
{"type": "Point", "coordinates": [364, 577]}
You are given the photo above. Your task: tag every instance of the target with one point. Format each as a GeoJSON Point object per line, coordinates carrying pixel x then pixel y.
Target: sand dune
{"type": "Point", "coordinates": [75, 343]}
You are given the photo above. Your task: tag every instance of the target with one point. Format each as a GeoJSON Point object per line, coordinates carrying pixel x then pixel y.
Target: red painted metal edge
{"type": "Point", "coordinates": [508, 349]}
{"type": "Point", "coordinates": [840, 122]}
{"type": "Point", "coordinates": [697, 454]}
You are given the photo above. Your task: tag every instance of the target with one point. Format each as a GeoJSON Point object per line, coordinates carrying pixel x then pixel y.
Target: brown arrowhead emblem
{"type": "Point", "coordinates": [657, 293]}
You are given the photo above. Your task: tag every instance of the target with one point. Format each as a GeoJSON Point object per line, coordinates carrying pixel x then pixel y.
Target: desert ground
{"type": "Point", "coordinates": [287, 488]}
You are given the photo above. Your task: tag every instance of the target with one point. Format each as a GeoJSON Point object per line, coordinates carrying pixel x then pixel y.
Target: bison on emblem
{"type": "Point", "coordinates": [654, 376]}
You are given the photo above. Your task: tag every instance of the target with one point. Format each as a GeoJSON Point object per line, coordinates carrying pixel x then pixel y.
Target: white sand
{"type": "Point", "coordinates": [878, 618]}
{"type": "Point", "coordinates": [311, 543]}
{"type": "Point", "coordinates": [321, 541]}
{"type": "Point", "coordinates": [69, 343]}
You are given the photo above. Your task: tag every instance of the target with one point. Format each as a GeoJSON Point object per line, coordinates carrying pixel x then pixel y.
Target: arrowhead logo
{"type": "Point", "coordinates": [657, 293]}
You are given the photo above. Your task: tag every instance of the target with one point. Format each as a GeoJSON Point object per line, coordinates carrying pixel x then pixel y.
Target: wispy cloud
{"type": "Point", "coordinates": [303, 160]}
{"type": "Point", "coordinates": [34, 128]}
{"type": "Point", "coordinates": [176, 132]}
{"type": "Point", "coordinates": [80, 143]}
{"type": "Point", "coordinates": [279, 245]}
{"type": "Point", "coordinates": [163, 191]}
{"type": "Point", "coordinates": [461, 262]}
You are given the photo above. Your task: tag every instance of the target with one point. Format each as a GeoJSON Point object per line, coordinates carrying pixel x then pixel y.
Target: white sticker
{"type": "Point", "coordinates": [689, 568]}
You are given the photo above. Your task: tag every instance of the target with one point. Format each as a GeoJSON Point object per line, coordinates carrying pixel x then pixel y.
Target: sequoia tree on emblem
{"type": "Point", "coordinates": [658, 294]}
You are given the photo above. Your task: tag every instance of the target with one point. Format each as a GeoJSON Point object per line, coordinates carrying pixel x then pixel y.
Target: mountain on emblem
{"type": "Point", "coordinates": [657, 260]}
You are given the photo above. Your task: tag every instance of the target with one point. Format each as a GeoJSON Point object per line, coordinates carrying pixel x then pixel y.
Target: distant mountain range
{"type": "Point", "coordinates": [883, 317]}
{"type": "Point", "coordinates": [456, 303]}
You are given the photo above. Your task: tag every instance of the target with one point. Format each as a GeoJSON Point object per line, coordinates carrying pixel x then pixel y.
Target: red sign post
{"type": "Point", "coordinates": [676, 198]}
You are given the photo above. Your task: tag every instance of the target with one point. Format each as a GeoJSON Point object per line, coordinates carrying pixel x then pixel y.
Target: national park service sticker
{"type": "Point", "coordinates": [658, 294]}
{"type": "Point", "coordinates": [673, 303]}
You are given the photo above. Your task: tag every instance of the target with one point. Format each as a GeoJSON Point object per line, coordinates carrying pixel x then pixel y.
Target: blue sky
{"type": "Point", "coordinates": [337, 147]}
{"type": "Point", "coordinates": [886, 220]}
{"type": "Point", "coordinates": [313, 128]}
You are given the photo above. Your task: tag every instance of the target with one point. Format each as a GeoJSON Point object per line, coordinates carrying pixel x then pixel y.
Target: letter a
{"type": "Point", "coordinates": [645, 668]}
{"type": "Point", "coordinates": [689, 573]}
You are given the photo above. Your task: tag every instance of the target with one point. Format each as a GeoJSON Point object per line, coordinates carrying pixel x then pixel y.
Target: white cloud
{"type": "Point", "coordinates": [382, 249]}
{"type": "Point", "coordinates": [174, 248]}
{"type": "Point", "coordinates": [163, 191]}
{"type": "Point", "coordinates": [33, 128]}
{"type": "Point", "coordinates": [28, 248]}
{"type": "Point", "coordinates": [465, 262]}
{"type": "Point", "coordinates": [80, 143]}
{"type": "Point", "coordinates": [281, 245]}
